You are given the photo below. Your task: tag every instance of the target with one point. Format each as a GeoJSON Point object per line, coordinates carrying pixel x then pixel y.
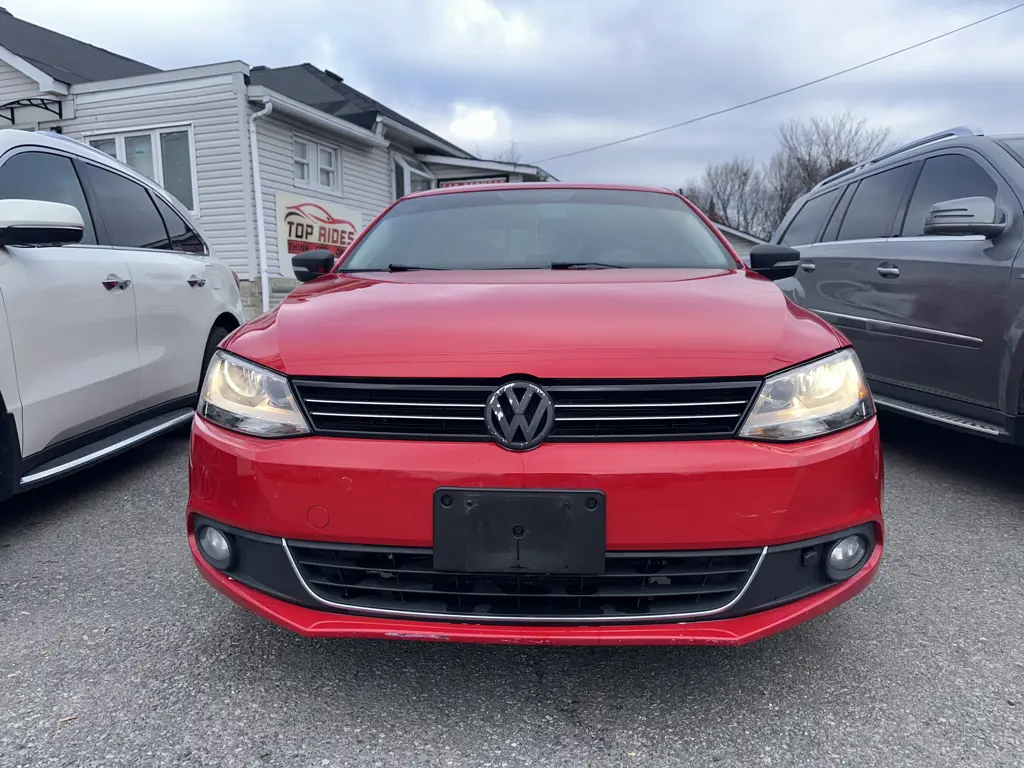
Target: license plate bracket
{"type": "Point", "coordinates": [519, 531]}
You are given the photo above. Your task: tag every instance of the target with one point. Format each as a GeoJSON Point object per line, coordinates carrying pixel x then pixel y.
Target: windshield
{"type": "Point", "coordinates": [540, 229]}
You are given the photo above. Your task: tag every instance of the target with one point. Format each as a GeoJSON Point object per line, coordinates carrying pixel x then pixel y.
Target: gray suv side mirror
{"type": "Point", "coordinates": [965, 216]}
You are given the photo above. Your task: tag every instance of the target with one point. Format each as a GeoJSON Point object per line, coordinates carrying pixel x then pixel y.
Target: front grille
{"type": "Point", "coordinates": [584, 410]}
{"type": "Point", "coordinates": [635, 585]}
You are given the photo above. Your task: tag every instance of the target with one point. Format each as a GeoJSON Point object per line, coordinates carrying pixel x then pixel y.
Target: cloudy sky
{"type": "Point", "coordinates": [559, 75]}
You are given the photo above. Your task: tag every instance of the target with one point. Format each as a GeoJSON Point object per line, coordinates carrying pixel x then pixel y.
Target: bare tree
{"type": "Point", "coordinates": [822, 146]}
{"type": "Point", "coordinates": [730, 193]}
{"type": "Point", "coordinates": [509, 154]}
{"type": "Point", "coordinates": [754, 199]}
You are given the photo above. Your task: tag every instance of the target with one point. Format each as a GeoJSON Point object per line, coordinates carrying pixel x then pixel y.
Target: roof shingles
{"type": "Point", "coordinates": [72, 61]}
{"type": "Point", "coordinates": [329, 93]}
{"type": "Point", "coordinates": [63, 58]}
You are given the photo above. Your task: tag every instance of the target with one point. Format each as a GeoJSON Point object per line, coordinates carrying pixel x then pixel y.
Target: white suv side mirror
{"type": "Point", "coordinates": [36, 222]}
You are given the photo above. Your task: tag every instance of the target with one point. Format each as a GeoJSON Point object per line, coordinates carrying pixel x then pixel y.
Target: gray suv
{"type": "Point", "coordinates": [916, 256]}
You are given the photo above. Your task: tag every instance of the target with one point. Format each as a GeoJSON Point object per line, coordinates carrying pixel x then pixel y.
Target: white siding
{"type": "Point", "coordinates": [365, 175]}
{"type": "Point", "coordinates": [213, 105]}
{"type": "Point", "coordinates": [15, 85]}
{"type": "Point", "coordinates": [741, 245]}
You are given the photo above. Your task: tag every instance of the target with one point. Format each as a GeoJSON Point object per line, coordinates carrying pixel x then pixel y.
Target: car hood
{"type": "Point", "coordinates": [572, 324]}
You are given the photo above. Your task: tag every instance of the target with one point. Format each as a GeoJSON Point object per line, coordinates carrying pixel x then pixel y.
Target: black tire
{"type": "Point", "coordinates": [10, 454]}
{"type": "Point", "coordinates": [217, 335]}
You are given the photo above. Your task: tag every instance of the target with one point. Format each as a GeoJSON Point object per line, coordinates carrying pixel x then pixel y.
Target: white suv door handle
{"type": "Point", "coordinates": [196, 282]}
{"type": "Point", "coordinates": [113, 281]}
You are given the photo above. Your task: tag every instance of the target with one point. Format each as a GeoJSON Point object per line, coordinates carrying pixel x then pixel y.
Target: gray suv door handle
{"type": "Point", "coordinates": [807, 266]}
{"type": "Point", "coordinates": [889, 270]}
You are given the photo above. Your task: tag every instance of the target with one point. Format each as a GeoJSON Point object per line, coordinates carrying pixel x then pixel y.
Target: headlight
{"type": "Point", "coordinates": [242, 396]}
{"type": "Point", "coordinates": [821, 397]}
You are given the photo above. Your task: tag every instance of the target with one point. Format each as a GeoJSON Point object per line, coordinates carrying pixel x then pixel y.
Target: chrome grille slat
{"type": "Point", "coordinates": [648, 418]}
{"type": "Point", "coordinates": [584, 410]}
{"type": "Point", "coordinates": [334, 414]}
{"type": "Point", "coordinates": [646, 405]}
{"type": "Point", "coordinates": [637, 586]}
{"type": "Point", "coordinates": [392, 404]}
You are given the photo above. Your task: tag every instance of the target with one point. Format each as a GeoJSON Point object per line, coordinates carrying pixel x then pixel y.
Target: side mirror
{"type": "Point", "coordinates": [774, 261]}
{"type": "Point", "coordinates": [312, 264]}
{"type": "Point", "coordinates": [965, 216]}
{"type": "Point", "coordinates": [37, 222]}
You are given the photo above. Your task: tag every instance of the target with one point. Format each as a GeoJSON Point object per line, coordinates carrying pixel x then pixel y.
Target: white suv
{"type": "Point", "coordinates": [110, 307]}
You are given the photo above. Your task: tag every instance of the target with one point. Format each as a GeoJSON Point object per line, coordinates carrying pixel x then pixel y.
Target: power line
{"type": "Point", "coordinates": [808, 84]}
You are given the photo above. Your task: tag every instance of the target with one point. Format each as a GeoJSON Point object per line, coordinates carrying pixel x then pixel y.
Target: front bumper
{"type": "Point", "coordinates": [784, 501]}
{"type": "Point", "coordinates": [314, 623]}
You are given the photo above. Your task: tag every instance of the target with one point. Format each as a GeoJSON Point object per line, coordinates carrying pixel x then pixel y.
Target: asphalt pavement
{"type": "Point", "coordinates": [114, 652]}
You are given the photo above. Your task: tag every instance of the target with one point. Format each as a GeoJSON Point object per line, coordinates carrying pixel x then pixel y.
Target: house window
{"type": "Point", "coordinates": [163, 155]}
{"type": "Point", "coordinates": [315, 164]}
{"type": "Point", "coordinates": [411, 176]}
{"type": "Point", "coordinates": [300, 151]}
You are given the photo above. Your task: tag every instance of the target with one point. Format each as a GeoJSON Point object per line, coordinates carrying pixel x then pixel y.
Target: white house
{"type": "Point", "coordinates": [271, 161]}
{"type": "Point", "coordinates": [741, 242]}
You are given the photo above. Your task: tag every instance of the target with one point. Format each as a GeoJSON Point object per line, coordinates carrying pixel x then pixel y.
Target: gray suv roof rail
{"type": "Point", "coordinates": [962, 130]}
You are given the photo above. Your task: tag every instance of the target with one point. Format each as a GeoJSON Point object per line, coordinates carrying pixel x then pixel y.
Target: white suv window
{"type": "Point", "coordinates": [183, 237]}
{"type": "Point", "coordinates": [128, 212]}
{"type": "Point", "coordinates": [48, 177]}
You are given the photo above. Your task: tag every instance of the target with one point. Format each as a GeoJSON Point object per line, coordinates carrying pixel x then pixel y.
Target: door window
{"type": "Point", "coordinates": [832, 229]}
{"type": "Point", "coordinates": [183, 237]}
{"type": "Point", "coordinates": [48, 177]}
{"type": "Point", "coordinates": [946, 177]}
{"type": "Point", "coordinates": [131, 218]}
{"type": "Point", "coordinates": [810, 220]}
{"type": "Point", "coordinates": [163, 155]}
{"type": "Point", "coordinates": [873, 207]}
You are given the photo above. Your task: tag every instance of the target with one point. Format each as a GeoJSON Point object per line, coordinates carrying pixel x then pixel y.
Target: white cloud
{"type": "Point", "coordinates": [484, 24]}
{"type": "Point", "coordinates": [474, 123]}
{"type": "Point", "coordinates": [558, 75]}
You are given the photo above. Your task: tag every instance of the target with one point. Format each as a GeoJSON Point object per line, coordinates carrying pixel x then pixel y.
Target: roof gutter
{"type": "Point", "coordinates": [486, 165]}
{"type": "Point", "coordinates": [393, 126]}
{"type": "Point", "coordinates": [313, 116]}
{"type": "Point", "coordinates": [257, 188]}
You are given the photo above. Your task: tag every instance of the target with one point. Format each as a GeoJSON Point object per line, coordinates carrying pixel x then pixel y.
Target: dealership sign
{"type": "Point", "coordinates": [307, 224]}
{"type": "Point", "coordinates": [467, 182]}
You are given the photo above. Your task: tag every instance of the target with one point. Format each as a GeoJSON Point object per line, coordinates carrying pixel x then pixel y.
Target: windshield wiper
{"type": "Point", "coordinates": [583, 265]}
{"type": "Point", "coordinates": [389, 268]}
{"type": "Point", "coordinates": [410, 268]}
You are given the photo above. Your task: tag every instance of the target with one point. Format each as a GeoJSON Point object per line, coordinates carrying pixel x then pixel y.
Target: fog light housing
{"type": "Point", "coordinates": [215, 546]}
{"type": "Point", "coordinates": [845, 557]}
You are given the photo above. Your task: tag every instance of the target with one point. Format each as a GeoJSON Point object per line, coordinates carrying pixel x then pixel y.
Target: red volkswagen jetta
{"type": "Point", "coordinates": [538, 413]}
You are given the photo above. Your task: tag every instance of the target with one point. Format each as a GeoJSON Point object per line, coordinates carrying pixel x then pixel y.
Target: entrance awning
{"type": "Point", "coordinates": [32, 110]}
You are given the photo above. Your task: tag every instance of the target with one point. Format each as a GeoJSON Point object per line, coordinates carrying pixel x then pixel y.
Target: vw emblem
{"type": "Point", "coordinates": [519, 415]}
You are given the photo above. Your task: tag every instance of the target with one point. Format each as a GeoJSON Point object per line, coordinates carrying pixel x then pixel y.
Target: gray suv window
{"type": "Point", "coordinates": [873, 208]}
{"type": "Point", "coordinates": [1017, 145]}
{"type": "Point", "coordinates": [945, 177]}
{"type": "Point", "coordinates": [810, 220]}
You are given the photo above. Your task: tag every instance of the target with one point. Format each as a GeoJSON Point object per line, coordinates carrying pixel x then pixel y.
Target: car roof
{"type": "Point", "coordinates": [11, 138]}
{"type": "Point", "coordinates": [897, 157]}
{"type": "Point", "coordinates": [471, 188]}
